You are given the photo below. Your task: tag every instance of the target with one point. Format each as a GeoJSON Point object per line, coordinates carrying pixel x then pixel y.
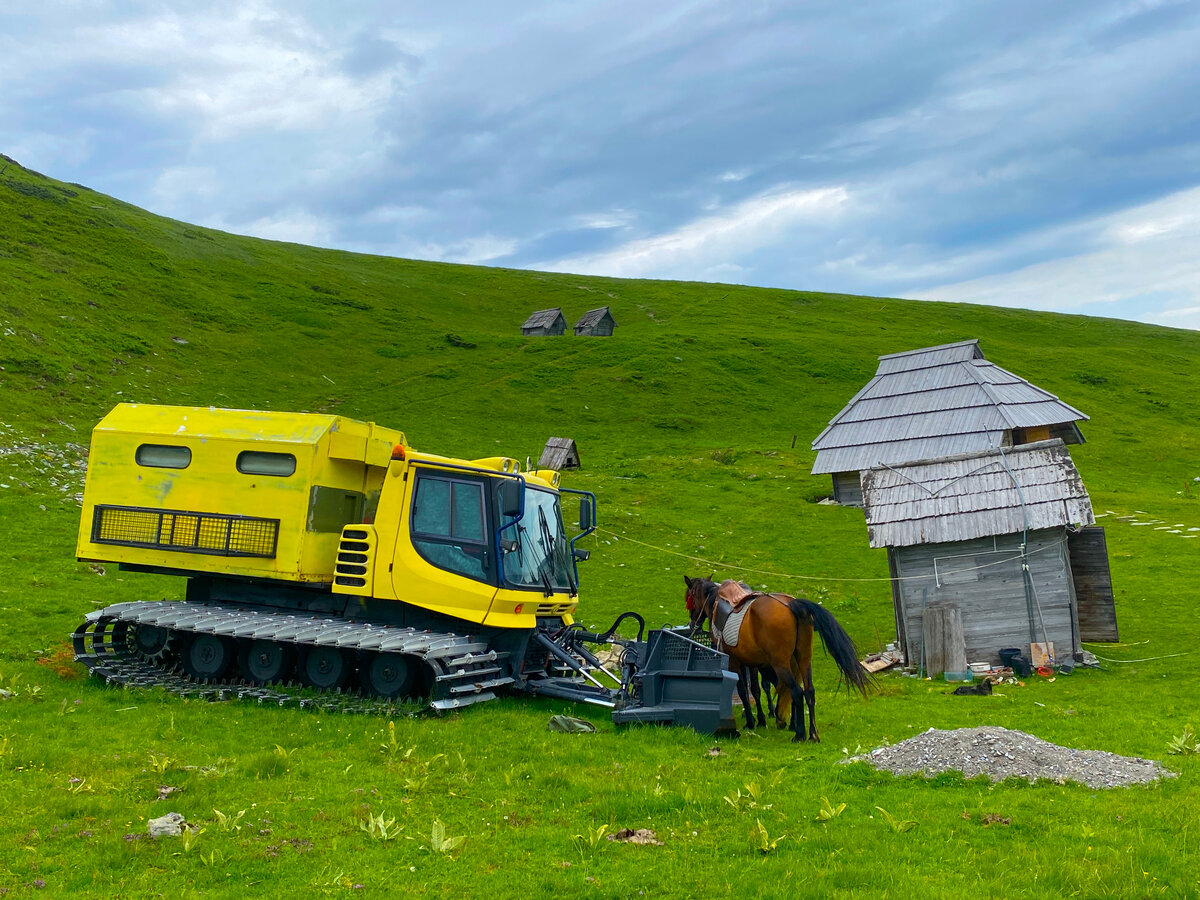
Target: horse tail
{"type": "Point", "coordinates": [837, 642]}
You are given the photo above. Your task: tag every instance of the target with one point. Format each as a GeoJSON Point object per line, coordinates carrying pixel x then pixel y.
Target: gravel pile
{"type": "Point", "coordinates": [999, 753]}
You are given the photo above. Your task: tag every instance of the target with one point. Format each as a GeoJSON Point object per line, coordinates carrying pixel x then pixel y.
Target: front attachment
{"type": "Point", "coordinates": [666, 679]}
{"type": "Point", "coordinates": [680, 682]}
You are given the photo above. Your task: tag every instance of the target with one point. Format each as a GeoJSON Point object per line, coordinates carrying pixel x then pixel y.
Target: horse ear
{"type": "Point", "coordinates": [687, 581]}
{"type": "Point", "coordinates": [714, 577]}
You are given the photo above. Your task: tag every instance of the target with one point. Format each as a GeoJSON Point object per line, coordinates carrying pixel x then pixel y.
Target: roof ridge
{"type": "Point", "coordinates": [930, 349]}
{"type": "Point", "coordinates": [990, 394]}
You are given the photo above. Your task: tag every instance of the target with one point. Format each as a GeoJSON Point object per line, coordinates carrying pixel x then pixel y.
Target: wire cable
{"type": "Point", "coordinates": [732, 567]}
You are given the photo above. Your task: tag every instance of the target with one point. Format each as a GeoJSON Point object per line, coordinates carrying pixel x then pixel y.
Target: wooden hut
{"type": "Point", "coordinates": [993, 535]}
{"type": "Point", "coordinates": [596, 323]}
{"type": "Point", "coordinates": [936, 402]}
{"type": "Point", "coordinates": [545, 323]}
{"type": "Point", "coordinates": [559, 454]}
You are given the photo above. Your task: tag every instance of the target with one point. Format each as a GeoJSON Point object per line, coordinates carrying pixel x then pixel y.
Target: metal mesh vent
{"type": "Point", "coordinates": [186, 532]}
{"type": "Point", "coordinates": [673, 651]}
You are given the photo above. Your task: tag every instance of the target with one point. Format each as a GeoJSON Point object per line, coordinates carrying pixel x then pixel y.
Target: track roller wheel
{"type": "Point", "coordinates": [265, 662]}
{"type": "Point", "coordinates": [389, 675]}
{"type": "Point", "coordinates": [153, 644]}
{"type": "Point", "coordinates": [206, 657]}
{"type": "Point", "coordinates": [325, 668]}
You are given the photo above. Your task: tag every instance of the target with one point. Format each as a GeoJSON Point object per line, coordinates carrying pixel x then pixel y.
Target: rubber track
{"type": "Point", "coordinates": [465, 670]}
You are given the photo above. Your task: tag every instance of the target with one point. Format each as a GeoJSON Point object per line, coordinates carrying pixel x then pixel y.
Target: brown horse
{"type": "Point", "coordinates": [777, 632]}
{"type": "Point", "coordinates": [754, 682]}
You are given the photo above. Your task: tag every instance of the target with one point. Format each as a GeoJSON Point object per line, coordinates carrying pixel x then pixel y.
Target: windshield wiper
{"type": "Point", "coordinates": [547, 537]}
{"type": "Point", "coordinates": [556, 551]}
{"type": "Point", "coordinates": [520, 544]}
{"type": "Point", "coordinates": [565, 562]}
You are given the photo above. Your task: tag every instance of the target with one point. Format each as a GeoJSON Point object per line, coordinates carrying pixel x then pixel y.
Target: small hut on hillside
{"type": "Point", "coordinates": [545, 323]}
{"type": "Point", "coordinates": [936, 402]}
{"type": "Point", "coordinates": [596, 323]}
{"type": "Point", "coordinates": [559, 454]}
{"type": "Point", "coordinates": [999, 536]}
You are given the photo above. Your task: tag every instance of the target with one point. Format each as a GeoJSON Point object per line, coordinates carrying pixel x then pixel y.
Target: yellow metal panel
{"type": "Point", "coordinates": [520, 609]}
{"type": "Point", "coordinates": [416, 581]}
{"type": "Point", "coordinates": [251, 426]}
{"type": "Point", "coordinates": [211, 482]}
{"type": "Point", "coordinates": [345, 445]}
{"type": "Point", "coordinates": [379, 450]}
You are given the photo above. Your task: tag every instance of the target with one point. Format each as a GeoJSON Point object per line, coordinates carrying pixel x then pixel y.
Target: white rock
{"type": "Point", "coordinates": [170, 825]}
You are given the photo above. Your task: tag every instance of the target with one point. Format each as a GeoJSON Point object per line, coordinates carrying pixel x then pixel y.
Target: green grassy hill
{"type": "Point", "coordinates": [685, 421]}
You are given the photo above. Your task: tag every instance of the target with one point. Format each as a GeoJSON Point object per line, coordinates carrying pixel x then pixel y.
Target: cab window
{"type": "Point", "coordinates": [448, 525]}
{"type": "Point", "coordinates": [259, 462]}
{"type": "Point", "coordinates": [163, 456]}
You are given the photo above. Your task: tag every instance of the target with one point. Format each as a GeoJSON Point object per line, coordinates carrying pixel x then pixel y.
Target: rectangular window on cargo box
{"type": "Point", "coordinates": [259, 462]}
{"type": "Point", "coordinates": [163, 456]}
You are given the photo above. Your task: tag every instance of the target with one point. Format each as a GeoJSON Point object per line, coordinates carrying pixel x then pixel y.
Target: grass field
{"type": "Point", "coordinates": [686, 421]}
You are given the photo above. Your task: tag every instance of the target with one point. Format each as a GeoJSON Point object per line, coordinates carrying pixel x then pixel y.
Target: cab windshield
{"type": "Point", "coordinates": [535, 551]}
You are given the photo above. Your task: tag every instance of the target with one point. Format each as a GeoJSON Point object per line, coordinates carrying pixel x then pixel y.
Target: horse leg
{"type": "Point", "coordinates": [810, 697]}
{"type": "Point", "coordinates": [756, 693]}
{"type": "Point", "coordinates": [798, 709]}
{"type": "Point", "coordinates": [783, 705]}
{"type": "Point", "coordinates": [768, 679]}
{"type": "Point", "coordinates": [802, 662]}
{"type": "Point", "coordinates": [744, 694]}
{"type": "Point", "coordinates": [796, 697]}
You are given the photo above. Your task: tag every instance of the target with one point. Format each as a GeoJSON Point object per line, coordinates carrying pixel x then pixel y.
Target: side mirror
{"type": "Point", "coordinates": [587, 515]}
{"type": "Point", "coordinates": [510, 498]}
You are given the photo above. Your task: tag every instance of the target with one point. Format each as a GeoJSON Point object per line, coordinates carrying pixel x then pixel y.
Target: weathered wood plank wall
{"type": "Point", "coordinates": [983, 579]}
{"type": "Point", "coordinates": [1093, 585]}
{"type": "Point", "coordinates": [847, 489]}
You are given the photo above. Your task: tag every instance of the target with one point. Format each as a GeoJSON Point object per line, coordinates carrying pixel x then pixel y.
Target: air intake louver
{"type": "Point", "coordinates": [354, 559]}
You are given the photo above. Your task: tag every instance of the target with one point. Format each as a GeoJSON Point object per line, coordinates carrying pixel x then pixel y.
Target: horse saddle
{"type": "Point", "coordinates": [734, 592]}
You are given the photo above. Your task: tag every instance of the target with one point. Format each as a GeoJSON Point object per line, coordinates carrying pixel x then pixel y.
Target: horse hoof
{"type": "Point", "coordinates": [814, 739]}
{"type": "Point", "coordinates": [796, 739]}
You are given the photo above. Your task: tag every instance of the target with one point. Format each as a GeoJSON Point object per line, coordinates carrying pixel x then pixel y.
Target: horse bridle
{"type": "Point", "coordinates": [707, 599]}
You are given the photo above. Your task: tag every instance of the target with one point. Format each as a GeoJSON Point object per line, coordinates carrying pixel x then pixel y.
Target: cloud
{"type": "Point", "coordinates": [179, 182]}
{"type": "Point", "coordinates": [617, 218]}
{"type": "Point", "coordinates": [714, 242]}
{"type": "Point", "coordinates": [470, 251]}
{"type": "Point", "coordinates": [296, 226]}
{"type": "Point", "coordinates": [1144, 256]}
{"type": "Point", "coordinates": [923, 147]}
{"type": "Point", "coordinates": [248, 67]}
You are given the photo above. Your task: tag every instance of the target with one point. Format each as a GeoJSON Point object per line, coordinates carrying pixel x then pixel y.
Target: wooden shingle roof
{"type": "Point", "coordinates": [543, 318]}
{"type": "Point", "coordinates": [593, 317]}
{"type": "Point", "coordinates": [974, 495]}
{"type": "Point", "coordinates": [559, 454]}
{"type": "Point", "coordinates": [934, 402]}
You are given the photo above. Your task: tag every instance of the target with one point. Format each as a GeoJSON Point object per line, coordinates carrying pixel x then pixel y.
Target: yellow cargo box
{"type": "Point", "coordinates": [232, 492]}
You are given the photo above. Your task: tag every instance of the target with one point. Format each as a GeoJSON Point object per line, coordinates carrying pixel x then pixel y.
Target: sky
{"type": "Point", "coordinates": [1043, 155]}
